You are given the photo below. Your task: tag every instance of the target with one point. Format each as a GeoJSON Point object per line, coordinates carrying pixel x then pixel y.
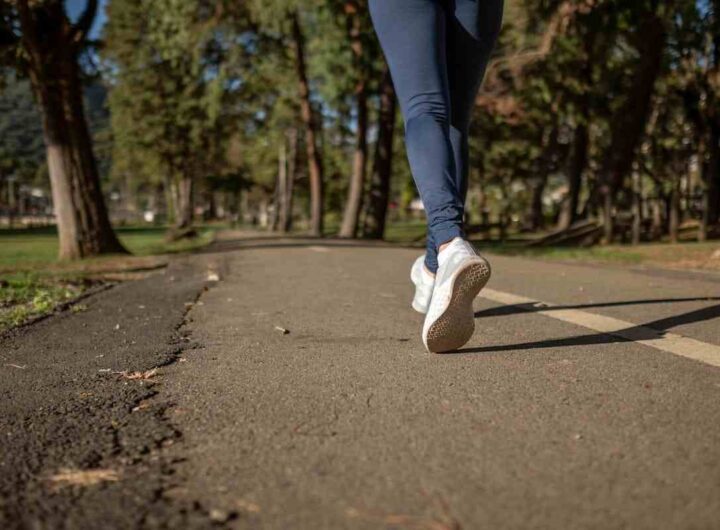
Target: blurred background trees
{"type": "Point", "coordinates": [598, 121]}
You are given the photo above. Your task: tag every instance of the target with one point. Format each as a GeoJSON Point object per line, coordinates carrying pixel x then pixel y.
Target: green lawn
{"type": "Point", "coordinates": [24, 249]}
{"type": "Point", "coordinates": [33, 282]}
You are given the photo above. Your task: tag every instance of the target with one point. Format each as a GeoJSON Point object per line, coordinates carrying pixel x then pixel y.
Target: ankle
{"type": "Point", "coordinates": [447, 244]}
{"type": "Point", "coordinates": [428, 271]}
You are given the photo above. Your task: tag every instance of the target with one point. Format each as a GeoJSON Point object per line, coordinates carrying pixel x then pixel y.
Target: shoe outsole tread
{"type": "Point", "coordinates": [456, 325]}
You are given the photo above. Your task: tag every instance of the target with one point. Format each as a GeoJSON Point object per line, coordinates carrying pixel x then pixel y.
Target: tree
{"type": "Point", "coordinates": [167, 90]}
{"type": "Point", "coordinates": [310, 122]}
{"type": "Point", "coordinates": [379, 194]}
{"type": "Point", "coordinates": [629, 121]}
{"type": "Point", "coordinates": [38, 39]}
{"type": "Point", "coordinates": [358, 26]}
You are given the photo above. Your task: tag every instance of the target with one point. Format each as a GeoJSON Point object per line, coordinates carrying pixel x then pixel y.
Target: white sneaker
{"type": "Point", "coordinates": [424, 283]}
{"type": "Point", "coordinates": [450, 321]}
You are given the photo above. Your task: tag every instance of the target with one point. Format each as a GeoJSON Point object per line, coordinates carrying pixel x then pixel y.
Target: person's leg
{"type": "Point", "coordinates": [413, 36]}
{"type": "Point", "coordinates": [472, 29]}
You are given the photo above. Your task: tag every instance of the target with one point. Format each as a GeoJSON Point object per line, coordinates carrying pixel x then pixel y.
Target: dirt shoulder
{"type": "Point", "coordinates": [83, 423]}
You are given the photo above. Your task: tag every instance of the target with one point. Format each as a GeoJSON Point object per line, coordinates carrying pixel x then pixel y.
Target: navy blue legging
{"type": "Point", "coordinates": [437, 51]}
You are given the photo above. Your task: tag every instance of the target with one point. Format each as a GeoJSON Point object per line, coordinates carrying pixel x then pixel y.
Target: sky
{"type": "Point", "coordinates": [74, 9]}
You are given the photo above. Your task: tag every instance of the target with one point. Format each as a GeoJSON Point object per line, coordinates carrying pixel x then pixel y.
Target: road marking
{"type": "Point", "coordinates": [660, 340]}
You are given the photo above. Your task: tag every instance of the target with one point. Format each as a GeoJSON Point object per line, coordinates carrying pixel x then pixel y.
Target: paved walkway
{"type": "Point", "coordinates": [345, 422]}
{"type": "Point", "coordinates": [299, 396]}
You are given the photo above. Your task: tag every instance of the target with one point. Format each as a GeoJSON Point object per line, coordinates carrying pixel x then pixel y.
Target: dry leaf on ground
{"type": "Point", "coordinates": [77, 477]}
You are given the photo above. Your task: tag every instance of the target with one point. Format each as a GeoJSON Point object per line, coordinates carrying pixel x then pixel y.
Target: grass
{"type": "Point", "coordinates": [33, 282]}
{"type": "Point", "coordinates": [26, 295]}
{"type": "Point", "coordinates": [405, 231]}
{"type": "Point", "coordinates": [591, 254]}
{"type": "Point", "coordinates": [687, 255]}
{"type": "Point", "coordinates": [37, 247]}
{"type": "Point", "coordinates": [684, 255]}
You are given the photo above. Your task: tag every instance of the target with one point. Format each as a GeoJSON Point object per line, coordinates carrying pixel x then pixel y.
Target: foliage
{"type": "Point", "coordinates": [207, 91]}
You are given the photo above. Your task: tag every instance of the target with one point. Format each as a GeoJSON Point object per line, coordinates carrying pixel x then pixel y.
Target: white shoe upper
{"type": "Point", "coordinates": [424, 283]}
{"type": "Point", "coordinates": [450, 260]}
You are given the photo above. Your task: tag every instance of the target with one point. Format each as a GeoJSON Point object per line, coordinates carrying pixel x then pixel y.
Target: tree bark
{"type": "Point", "coordinates": [315, 167]}
{"type": "Point", "coordinates": [286, 213]}
{"type": "Point", "coordinates": [674, 213]}
{"type": "Point", "coordinates": [185, 203]}
{"type": "Point", "coordinates": [578, 163]}
{"type": "Point", "coordinates": [536, 217]}
{"type": "Point", "coordinates": [356, 191]}
{"type": "Point", "coordinates": [379, 195]}
{"type": "Point", "coordinates": [52, 44]}
{"type": "Point", "coordinates": [636, 208]}
{"type": "Point", "coordinates": [280, 188]}
{"type": "Point", "coordinates": [628, 123]}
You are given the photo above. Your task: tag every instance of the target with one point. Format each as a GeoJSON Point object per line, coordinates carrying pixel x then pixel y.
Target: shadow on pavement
{"type": "Point", "coordinates": [270, 242]}
{"type": "Point", "coordinates": [532, 308]}
{"type": "Point", "coordinates": [651, 330]}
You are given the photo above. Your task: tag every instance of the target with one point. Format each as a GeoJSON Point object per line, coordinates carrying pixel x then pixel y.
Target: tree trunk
{"type": "Point", "coordinates": [628, 124]}
{"type": "Point", "coordinates": [286, 213]}
{"type": "Point", "coordinates": [536, 217]}
{"type": "Point", "coordinates": [353, 205]}
{"type": "Point", "coordinates": [657, 219]}
{"type": "Point", "coordinates": [636, 208]}
{"type": "Point", "coordinates": [185, 203]}
{"type": "Point", "coordinates": [51, 45]}
{"type": "Point", "coordinates": [280, 188]}
{"type": "Point", "coordinates": [382, 164]}
{"type": "Point", "coordinates": [315, 168]}
{"type": "Point", "coordinates": [356, 191]}
{"type": "Point", "coordinates": [578, 163]}
{"type": "Point", "coordinates": [674, 214]}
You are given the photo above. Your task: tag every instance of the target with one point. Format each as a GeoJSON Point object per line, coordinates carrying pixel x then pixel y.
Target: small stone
{"type": "Point", "coordinates": [219, 516]}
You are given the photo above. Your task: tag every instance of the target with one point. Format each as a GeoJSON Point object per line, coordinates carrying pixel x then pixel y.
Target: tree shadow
{"type": "Point", "coordinates": [288, 241]}
{"type": "Point", "coordinates": [539, 306]}
{"type": "Point", "coordinates": [649, 331]}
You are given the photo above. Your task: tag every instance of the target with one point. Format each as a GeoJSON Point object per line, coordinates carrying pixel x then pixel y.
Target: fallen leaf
{"type": "Point", "coordinates": [88, 477]}
{"type": "Point", "coordinates": [147, 374]}
{"type": "Point", "coordinates": [20, 367]}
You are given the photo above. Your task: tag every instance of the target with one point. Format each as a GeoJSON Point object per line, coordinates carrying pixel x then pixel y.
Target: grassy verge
{"type": "Point", "coordinates": [688, 256]}
{"type": "Point", "coordinates": [684, 255]}
{"type": "Point", "coordinates": [36, 248]}
{"type": "Point", "coordinates": [33, 282]}
{"type": "Point", "coordinates": [27, 295]}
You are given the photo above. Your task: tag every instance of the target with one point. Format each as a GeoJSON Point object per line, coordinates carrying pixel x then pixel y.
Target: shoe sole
{"type": "Point", "coordinates": [457, 323]}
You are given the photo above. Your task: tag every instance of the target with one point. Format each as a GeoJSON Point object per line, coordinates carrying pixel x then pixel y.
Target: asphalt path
{"type": "Point", "coordinates": [295, 393]}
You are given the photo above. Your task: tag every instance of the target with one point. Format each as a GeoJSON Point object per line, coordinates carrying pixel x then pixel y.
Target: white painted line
{"type": "Point", "coordinates": [660, 340]}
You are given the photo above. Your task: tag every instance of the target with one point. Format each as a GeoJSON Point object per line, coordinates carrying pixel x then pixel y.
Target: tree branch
{"type": "Point", "coordinates": [84, 23]}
